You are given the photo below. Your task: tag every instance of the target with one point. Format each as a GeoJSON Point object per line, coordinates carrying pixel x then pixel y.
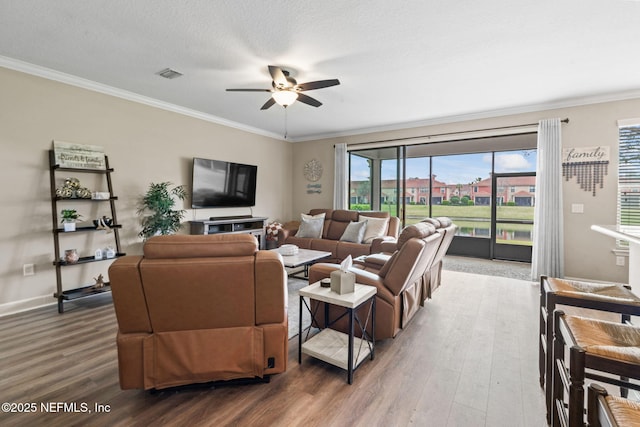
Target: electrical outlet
{"type": "Point", "coordinates": [28, 270]}
{"type": "Point", "coordinates": [620, 261]}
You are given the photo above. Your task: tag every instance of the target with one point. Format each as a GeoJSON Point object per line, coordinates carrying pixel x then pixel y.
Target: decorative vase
{"type": "Point", "coordinates": [71, 256]}
{"type": "Point", "coordinates": [69, 226]}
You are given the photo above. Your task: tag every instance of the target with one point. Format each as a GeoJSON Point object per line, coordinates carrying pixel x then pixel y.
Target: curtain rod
{"type": "Point", "coordinates": [407, 138]}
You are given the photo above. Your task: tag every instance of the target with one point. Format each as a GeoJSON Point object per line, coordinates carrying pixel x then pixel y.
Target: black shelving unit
{"type": "Point", "coordinates": [81, 291]}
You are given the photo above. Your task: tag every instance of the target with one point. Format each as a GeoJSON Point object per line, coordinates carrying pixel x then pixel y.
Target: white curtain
{"type": "Point", "coordinates": [548, 239]}
{"type": "Point", "coordinates": [340, 188]}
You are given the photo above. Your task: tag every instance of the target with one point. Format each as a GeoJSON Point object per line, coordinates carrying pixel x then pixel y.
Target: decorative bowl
{"type": "Point", "coordinates": [287, 250]}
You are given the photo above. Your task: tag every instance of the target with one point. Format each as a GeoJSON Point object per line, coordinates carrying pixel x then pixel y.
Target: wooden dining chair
{"type": "Point", "coordinates": [609, 297]}
{"type": "Point", "coordinates": [603, 351]}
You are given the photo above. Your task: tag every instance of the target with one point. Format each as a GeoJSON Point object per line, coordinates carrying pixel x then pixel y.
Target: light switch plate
{"type": "Point", "coordinates": [28, 270]}
{"type": "Point", "coordinates": [577, 208]}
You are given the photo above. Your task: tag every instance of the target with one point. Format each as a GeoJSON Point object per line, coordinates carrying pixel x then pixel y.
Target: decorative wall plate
{"type": "Point", "coordinates": [313, 170]}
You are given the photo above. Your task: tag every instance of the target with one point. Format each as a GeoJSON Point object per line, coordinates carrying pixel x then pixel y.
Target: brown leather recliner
{"type": "Point", "coordinates": [399, 282]}
{"type": "Point", "coordinates": [433, 276]}
{"type": "Point", "coordinates": [196, 309]}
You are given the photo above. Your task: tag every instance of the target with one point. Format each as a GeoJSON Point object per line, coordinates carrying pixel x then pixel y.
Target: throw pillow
{"type": "Point", "coordinates": [318, 216]}
{"type": "Point", "coordinates": [376, 227]}
{"type": "Point", "coordinates": [311, 226]}
{"type": "Point", "coordinates": [354, 232]}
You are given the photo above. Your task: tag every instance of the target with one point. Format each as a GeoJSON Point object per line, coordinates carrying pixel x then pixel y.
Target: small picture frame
{"type": "Point", "coordinates": [98, 254]}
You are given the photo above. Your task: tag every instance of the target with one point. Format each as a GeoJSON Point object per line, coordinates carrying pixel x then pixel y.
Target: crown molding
{"type": "Point", "coordinates": [72, 80]}
{"type": "Point", "coordinates": [533, 108]}
{"type": "Point", "coordinates": [47, 73]}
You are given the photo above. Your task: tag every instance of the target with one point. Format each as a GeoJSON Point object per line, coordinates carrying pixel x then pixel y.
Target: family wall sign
{"type": "Point", "coordinates": [588, 165]}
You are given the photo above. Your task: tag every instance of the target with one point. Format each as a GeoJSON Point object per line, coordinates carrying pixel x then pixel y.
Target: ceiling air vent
{"type": "Point", "coordinates": [168, 73]}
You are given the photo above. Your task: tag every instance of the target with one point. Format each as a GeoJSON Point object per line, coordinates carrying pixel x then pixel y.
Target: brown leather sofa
{"type": "Point", "coordinates": [335, 224]}
{"type": "Point", "coordinates": [399, 281]}
{"type": "Point", "coordinates": [196, 309]}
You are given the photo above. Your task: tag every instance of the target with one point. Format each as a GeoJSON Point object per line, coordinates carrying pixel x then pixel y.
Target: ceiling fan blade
{"type": "Point", "coordinates": [248, 90]}
{"type": "Point", "coordinates": [278, 76]}
{"type": "Point", "coordinates": [317, 85]}
{"type": "Point", "coordinates": [268, 104]}
{"type": "Point", "coordinates": [308, 100]}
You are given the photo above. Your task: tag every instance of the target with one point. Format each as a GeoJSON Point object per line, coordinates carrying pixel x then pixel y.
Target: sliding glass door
{"type": "Point", "coordinates": [512, 227]}
{"type": "Point", "coordinates": [461, 188]}
{"type": "Point", "coordinates": [488, 191]}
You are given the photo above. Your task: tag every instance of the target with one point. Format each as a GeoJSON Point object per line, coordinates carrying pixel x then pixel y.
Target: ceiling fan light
{"type": "Point", "coordinates": [285, 97]}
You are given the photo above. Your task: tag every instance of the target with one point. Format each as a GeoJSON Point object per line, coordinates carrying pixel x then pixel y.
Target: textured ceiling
{"type": "Point", "coordinates": [400, 63]}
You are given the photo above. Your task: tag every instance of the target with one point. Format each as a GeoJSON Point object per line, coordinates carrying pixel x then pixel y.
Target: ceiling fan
{"type": "Point", "coordinates": [285, 90]}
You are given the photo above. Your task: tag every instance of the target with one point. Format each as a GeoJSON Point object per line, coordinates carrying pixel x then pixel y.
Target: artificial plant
{"type": "Point", "coordinates": [156, 208]}
{"type": "Point", "coordinates": [70, 215]}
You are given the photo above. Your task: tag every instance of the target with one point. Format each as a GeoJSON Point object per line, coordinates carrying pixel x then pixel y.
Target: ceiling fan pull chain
{"type": "Point", "coordinates": [285, 123]}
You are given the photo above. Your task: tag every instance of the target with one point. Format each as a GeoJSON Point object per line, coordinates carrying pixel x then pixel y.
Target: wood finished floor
{"type": "Point", "coordinates": [469, 358]}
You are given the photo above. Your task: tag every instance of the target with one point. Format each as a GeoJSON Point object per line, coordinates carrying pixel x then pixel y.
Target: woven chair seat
{"type": "Point", "coordinates": [607, 339]}
{"type": "Point", "coordinates": [595, 291]}
{"type": "Point", "coordinates": [626, 412]}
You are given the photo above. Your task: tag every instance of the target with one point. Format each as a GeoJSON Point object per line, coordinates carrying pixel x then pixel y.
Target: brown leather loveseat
{"type": "Point", "coordinates": [399, 281]}
{"type": "Point", "coordinates": [335, 224]}
{"type": "Point", "coordinates": [196, 309]}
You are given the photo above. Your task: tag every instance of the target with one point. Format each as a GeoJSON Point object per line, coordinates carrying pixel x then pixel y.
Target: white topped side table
{"type": "Point", "coordinates": [337, 348]}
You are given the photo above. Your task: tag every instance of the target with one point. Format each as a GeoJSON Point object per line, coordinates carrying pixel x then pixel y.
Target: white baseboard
{"type": "Point", "coordinates": [26, 305]}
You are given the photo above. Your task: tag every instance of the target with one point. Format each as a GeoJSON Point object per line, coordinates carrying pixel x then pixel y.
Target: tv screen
{"type": "Point", "coordinates": [218, 184]}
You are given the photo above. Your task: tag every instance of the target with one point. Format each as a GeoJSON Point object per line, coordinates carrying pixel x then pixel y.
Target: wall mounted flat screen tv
{"type": "Point", "coordinates": [218, 184]}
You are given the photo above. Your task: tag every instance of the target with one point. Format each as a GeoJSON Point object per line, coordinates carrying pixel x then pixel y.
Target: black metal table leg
{"type": "Point", "coordinates": [350, 350]}
{"type": "Point", "coordinates": [373, 329]}
{"type": "Point", "coordinates": [300, 329]}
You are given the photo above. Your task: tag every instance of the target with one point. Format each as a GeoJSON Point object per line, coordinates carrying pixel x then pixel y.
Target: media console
{"type": "Point", "coordinates": [226, 225]}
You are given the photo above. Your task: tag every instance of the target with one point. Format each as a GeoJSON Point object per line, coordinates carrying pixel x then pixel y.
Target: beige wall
{"type": "Point", "coordinates": [588, 255]}
{"type": "Point", "coordinates": [147, 144]}
{"type": "Point", "coordinates": [144, 145]}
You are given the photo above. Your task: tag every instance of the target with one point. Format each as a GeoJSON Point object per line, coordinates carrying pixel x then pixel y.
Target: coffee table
{"type": "Point", "coordinates": [304, 258]}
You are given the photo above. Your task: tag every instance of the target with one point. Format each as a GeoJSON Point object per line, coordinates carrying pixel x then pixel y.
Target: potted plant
{"type": "Point", "coordinates": [69, 218]}
{"type": "Point", "coordinates": [156, 208]}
